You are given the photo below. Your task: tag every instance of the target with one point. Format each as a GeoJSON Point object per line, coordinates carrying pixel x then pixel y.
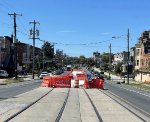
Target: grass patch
{"type": "Point", "coordinates": [144, 86]}
{"type": "Point", "coordinates": [13, 80]}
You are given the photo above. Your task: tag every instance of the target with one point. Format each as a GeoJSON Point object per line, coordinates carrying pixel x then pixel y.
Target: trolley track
{"type": "Point", "coordinates": [94, 107]}
{"type": "Point", "coordinates": [122, 102]}
{"type": "Point", "coordinates": [62, 108]}
{"type": "Point", "coordinates": [28, 106]}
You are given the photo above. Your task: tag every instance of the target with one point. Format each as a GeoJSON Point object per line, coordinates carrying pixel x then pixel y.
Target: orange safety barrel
{"type": "Point", "coordinates": [76, 83]}
{"type": "Point", "coordinates": [80, 76]}
{"type": "Point", "coordinates": [101, 84]}
{"type": "Point", "coordinates": [46, 82]}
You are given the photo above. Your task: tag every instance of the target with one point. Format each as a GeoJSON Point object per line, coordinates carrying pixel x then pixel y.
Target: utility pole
{"type": "Point", "coordinates": [109, 60]}
{"type": "Point", "coordinates": [15, 41]}
{"type": "Point", "coordinates": [128, 57]}
{"type": "Point", "coordinates": [34, 34]}
{"type": "Point", "coordinates": [43, 56]}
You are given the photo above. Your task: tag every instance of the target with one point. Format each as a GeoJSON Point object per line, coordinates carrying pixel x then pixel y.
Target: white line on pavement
{"type": "Point", "coordinates": [132, 91]}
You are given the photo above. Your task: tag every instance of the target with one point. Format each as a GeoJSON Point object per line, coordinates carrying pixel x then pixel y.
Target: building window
{"type": "Point", "coordinates": [137, 52]}
{"type": "Point", "coordinates": [137, 62]}
{"type": "Point", "coordinates": [142, 62]}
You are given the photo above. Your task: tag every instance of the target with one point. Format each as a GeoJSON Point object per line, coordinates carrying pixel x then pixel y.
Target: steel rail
{"type": "Point", "coordinates": [62, 108]}
{"type": "Point", "coordinates": [28, 106]}
{"type": "Point", "coordinates": [126, 102]}
{"type": "Point", "coordinates": [94, 107]}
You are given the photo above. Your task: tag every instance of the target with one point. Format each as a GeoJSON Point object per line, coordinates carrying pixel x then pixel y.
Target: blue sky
{"type": "Point", "coordinates": [79, 27]}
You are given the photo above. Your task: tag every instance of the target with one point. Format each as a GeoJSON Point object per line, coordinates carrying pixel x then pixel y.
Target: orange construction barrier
{"type": "Point", "coordinates": [46, 82]}
{"type": "Point", "coordinates": [76, 83]}
{"type": "Point", "coordinates": [65, 81]}
{"type": "Point", "coordinates": [96, 83]}
{"type": "Point", "coordinates": [57, 81]}
{"type": "Point", "coordinates": [86, 84]}
{"type": "Point", "coordinates": [80, 76]}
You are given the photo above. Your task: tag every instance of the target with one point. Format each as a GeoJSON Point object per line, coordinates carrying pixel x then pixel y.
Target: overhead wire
{"type": "Point", "coordinates": [24, 32]}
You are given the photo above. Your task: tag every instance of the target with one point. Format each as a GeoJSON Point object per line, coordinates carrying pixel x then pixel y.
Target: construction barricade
{"type": "Point", "coordinates": [80, 76]}
{"type": "Point", "coordinates": [86, 84]}
{"type": "Point", "coordinates": [57, 82]}
{"type": "Point", "coordinates": [97, 83]}
{"type": "Point", "coordinates": [46, 82]}
{"type": "Point", "coordinates": [94, 83]}
{"type": "Point", "coordinates": [76, 83]}
{"type": "Point", "coordinates": [69, 80]}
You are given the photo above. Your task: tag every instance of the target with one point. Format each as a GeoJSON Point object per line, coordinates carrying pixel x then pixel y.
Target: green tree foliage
{"type": "Point", "coordinates": [118, 68]}
{"type": "Point", "coordinates": [82, 59]}
{"type": "Point", "coordinates": [105, 61]}
{"type": "Point", "coordinates": [105, 58]}
{"type": "Point", "coordinates": [48, 49]}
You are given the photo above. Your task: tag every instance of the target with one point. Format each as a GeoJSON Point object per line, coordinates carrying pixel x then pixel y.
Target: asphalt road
{"type": "Point", "coordinates": [135, 97]}
{"type": "Point", "coordinates": [16, 89]}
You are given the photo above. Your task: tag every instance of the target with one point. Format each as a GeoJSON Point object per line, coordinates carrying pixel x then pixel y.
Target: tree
{"type": "Point", "coordinates": [118, 68]}
{"type": "Point", "coordinates": [104, 61]}
{"type": "Point", "coordinates": [48, 49]}
{"type": "Point", "coordinates": [105, 58]}
{"type": "Point", "coordinates": [82, 59]}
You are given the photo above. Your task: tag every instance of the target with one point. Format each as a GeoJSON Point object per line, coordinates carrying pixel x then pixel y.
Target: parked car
{"type": "Point", "coordinates": [130, 76]}
{"type": "Point", "coordinates": [3, 73]}
{"type": "Point", "coordinates": [43, 74]}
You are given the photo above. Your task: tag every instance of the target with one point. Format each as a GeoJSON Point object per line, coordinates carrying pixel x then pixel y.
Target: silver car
{"type": "Point", "coordinates": [43, 74]}
{"type": "Point", "coordinates": [3, 73]}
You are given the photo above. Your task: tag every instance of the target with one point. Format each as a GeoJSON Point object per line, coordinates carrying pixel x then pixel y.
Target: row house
{"type": "Point", "coordinates": [6, 54]}
{"type": "Point", "coordinates": [24, 55]}
{"type": "Point", "coordinates": [121, 57]}
{"type": "Point", "coordinates": [142, 57]}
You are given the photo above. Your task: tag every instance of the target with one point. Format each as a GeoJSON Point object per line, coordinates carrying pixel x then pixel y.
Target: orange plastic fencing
{"type": "Point", "coordinates": [57, 81]}
{"type": "Point", "coordinates": [86, 84]}
{"type": "Point", "coordinates": [96, 83]}
{"type": "Point", "coordinates": [65, 81]}
{"type": "Point", "coordinates": [69, 74]}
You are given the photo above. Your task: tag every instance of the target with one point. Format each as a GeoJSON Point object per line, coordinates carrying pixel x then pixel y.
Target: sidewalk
{"type": "Point", "coordinates": [132, 82]}
{"type": "Point", "coordinates": [2, 81]}
{"type": "Point", "coordinates": [25, 78]}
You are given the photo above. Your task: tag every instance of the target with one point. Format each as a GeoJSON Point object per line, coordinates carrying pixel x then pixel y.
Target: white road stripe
{"type": "Point", "coordinates": [132, 90]}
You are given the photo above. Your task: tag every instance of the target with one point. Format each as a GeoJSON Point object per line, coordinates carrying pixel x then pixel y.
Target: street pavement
{"type": "Point", "coordinates": [78, 107]}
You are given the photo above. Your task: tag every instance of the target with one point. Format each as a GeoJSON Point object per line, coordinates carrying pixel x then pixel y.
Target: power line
{"type": "Point", "coordinates": [22, 25]}
{"type": "Point", "coordinates": [9, 6]}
